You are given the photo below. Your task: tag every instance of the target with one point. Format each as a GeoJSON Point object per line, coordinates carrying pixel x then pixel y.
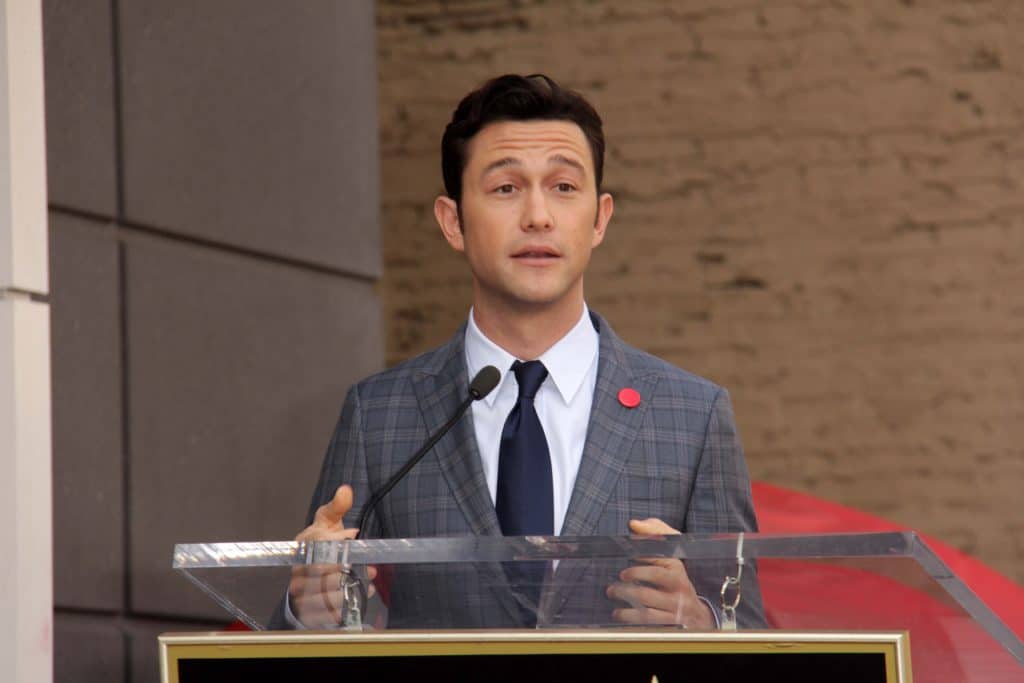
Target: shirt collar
{"type": "Point", "coordinates": [567, 362]}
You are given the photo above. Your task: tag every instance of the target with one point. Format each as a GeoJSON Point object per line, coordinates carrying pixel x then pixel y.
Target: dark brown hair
{"type": "Point", "coordinates": [515, 98]}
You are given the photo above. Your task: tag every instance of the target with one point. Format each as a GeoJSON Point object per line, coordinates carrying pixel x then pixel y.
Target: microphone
{"type": "Point", "coordinates": [481, 385]}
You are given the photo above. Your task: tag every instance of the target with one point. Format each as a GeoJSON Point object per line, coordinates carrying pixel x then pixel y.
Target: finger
{"type": "Point", "coordinates": [333, 511]}
{"type": "Point", "coordinates": [667, 562]}
{"type": "Point", "coordinates": [326, 608]}
{"type": "Point", "coordinates": [690, 613]}
{"type": "Point", "coordinates": [316, 594]}
{"type": "Point", "coordinates": [303, 575]}
{"type": "Point", "coordinates": [315, 532]}
{"type": "Point", "coordinates": [310, 575]}
{"type": "Point", "coordinates": [640, 596]}
{"type": "Point", "coordinates": [643, 615]}
{"type": "Point", "coordinates": [313, 579]}
{"type": "Point", "coordinates": [327, 522]}
{"type": "Point", "coordinates": [314, 611]}
{"type": "Point", "coordinates": [669, 579]}
{"type": "Point", "coordinates": [309, 580]}
{"type": "Point", "coordinates": [652, 526]}
{"type": "Point", "coordinates": [312, 605]}
{"type": "Point", "coordinates": [656, 578]}
{"type": "Point", "coordinates": [315, 572]}
{"type": "Point", "coordinates": [321, 580]}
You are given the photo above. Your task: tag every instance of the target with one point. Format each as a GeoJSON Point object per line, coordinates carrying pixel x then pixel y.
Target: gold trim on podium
{"type": "Point", "coordinates": [894, 645]}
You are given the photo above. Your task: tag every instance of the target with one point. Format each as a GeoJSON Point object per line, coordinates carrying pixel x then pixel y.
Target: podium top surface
{"type": "Point", "coordinates": [850, 581]}
{"type": "Point", "coordinates": [462, 549]}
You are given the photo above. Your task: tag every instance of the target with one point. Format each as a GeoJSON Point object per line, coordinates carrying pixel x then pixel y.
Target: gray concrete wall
{"type": "Point", "coordinates": [214, 244]}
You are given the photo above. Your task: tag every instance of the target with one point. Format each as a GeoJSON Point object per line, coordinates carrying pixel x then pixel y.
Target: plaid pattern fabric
{"type": "Point", "coordinates": [676, 456]}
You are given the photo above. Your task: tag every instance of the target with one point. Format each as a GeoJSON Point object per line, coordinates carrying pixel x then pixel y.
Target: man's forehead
{"type": "Point", "coordinates": [514, 138]}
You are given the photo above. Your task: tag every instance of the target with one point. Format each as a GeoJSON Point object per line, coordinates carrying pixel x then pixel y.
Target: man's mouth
{"type": "Point", "coordinates": [536, 253]}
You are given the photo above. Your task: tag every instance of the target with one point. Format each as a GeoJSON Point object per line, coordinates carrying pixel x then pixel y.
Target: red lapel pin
{"type": "Point", "coordinates": [629, 397]}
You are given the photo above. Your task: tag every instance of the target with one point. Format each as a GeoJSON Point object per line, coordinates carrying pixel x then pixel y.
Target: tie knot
{"type": "Point", "coordinates": [530, 376]}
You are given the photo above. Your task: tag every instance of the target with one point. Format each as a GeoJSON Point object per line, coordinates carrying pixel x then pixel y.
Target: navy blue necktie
{"type": "Point", "coordinates": [525, 498]}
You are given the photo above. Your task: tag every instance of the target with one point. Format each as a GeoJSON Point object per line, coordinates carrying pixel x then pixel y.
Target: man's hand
{"type": "Point", "coordinates": [658, 591]}
{"type": "Point", "coordinates": [314, 592]}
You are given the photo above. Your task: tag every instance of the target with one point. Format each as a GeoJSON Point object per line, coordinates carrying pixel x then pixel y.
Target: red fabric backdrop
{"type": "Point", "coordinates": [783, 511]}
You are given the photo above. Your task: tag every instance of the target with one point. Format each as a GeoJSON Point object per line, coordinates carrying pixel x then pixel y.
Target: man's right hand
{"type": "Point", "coordinates": [314, 593]}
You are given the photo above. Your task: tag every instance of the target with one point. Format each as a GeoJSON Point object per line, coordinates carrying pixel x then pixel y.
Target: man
{"type": "Point", "coordinates": [605, 440]}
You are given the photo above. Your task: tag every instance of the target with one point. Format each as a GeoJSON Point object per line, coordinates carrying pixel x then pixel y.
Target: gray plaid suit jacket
{"type": "Point", "coordinates": [676, 456]}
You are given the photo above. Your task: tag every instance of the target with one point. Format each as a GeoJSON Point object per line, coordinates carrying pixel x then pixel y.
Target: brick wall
{"type": "Point", "coordinates": [818, 205]}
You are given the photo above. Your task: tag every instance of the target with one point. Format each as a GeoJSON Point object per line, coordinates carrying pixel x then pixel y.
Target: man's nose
{"type": "Point", "coordinates": [536, 215]}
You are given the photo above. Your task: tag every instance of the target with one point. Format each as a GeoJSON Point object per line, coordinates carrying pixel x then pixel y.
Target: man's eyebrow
{"type": "Point", "coordinates": [562, 159]}
{"type": "Point", "coordinates": [501, 163]}
{"type": "Point", "coordinates": [505, 162]}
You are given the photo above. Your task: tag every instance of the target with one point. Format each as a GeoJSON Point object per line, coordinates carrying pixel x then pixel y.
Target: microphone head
{"type": "Point", "coordinates": [484, 382]}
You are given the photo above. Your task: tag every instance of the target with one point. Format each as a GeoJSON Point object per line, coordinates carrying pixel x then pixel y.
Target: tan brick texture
{"type": "Point", "coordinates": [818, 204]}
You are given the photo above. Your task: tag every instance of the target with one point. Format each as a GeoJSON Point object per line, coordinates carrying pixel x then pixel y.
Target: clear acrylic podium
{"type": "Point", "coordinates": [768, 585]}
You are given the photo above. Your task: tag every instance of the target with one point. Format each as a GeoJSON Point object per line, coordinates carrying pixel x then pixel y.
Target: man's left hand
{"type": "Point", "coordinates": [658, 591]}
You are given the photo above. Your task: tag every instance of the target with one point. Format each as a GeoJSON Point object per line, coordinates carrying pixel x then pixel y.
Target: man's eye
{"type": "Point", "coordinates": [507, 188]}
{"type": "Point", "coordinates": [565, 187]}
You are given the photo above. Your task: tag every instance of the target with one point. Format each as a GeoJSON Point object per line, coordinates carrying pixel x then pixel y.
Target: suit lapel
{"type": "Point", "coordinates": [439, 391]}
{"type": "Point", "coordinates": [613, 428]}
{"type": "Point", "coordinates": [610, 435]}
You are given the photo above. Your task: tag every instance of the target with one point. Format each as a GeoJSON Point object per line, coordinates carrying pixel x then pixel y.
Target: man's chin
{"type": "Point", "coordinates": [540, 301]}
{"type": "Point", "coordinates": [533, 295]}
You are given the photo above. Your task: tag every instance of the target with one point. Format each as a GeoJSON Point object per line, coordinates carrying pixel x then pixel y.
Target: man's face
{"type": "Point", "coordinates": [530, 214]}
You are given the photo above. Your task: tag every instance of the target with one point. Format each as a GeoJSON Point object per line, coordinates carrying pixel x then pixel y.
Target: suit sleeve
{"type": "Point", "coordinates": [344, 462]}
{"type": "Point", "coordinates": [721, 499]}
{"type": "Point", "coordinates": [721, 502]}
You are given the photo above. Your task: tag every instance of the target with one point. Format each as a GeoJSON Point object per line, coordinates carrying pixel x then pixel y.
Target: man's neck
{"type": "Point", "coordinates": [527, 333]}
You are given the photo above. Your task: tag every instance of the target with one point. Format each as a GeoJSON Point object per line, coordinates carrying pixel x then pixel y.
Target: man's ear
{"type": "Point", "coordinates": [446, 211]}
{"type": "Point", "coordinates": [605, 209]}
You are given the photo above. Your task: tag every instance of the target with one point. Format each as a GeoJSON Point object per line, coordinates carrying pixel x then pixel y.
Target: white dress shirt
{"type": "Point", "coordinates": [562, 402]}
